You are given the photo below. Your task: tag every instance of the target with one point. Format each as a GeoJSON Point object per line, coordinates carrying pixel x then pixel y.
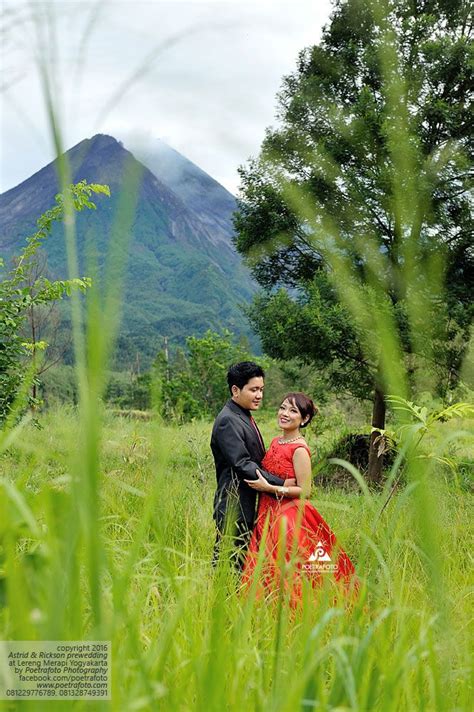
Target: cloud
{"type": "Point", "coordinates": [203, 74]}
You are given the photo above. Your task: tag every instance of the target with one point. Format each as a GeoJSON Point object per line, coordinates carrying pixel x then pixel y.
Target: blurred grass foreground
{"type": "Point", "coordinates": [105, 522]}
{"type": "Point", "coordinates": [182, 637]}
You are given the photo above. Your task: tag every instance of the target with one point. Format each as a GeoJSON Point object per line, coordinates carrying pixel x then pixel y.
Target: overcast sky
{"type": "Point", "coordinates": [203, 76]}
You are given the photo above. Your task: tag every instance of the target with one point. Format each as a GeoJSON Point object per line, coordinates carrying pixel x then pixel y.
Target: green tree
{"type": "Point", "coordinates": [194, 384]}
{"type": "Point", "coordinates": [43, 325]}
{"type": "Point", "coordinates": [21, 292]}
{"type": "Point", "coordinates": [355, 216]}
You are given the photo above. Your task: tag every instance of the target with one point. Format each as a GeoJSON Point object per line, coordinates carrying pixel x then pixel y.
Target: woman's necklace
{"type": "Point", "coordinates": [283, 442]}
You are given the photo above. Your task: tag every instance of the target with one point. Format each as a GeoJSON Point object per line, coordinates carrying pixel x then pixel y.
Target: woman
{"type": "Point", "coordinates": [286, 519]}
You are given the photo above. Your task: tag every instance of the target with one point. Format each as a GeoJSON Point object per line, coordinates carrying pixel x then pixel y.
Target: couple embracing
{"type": "Point", "coordinates": [281, 478]}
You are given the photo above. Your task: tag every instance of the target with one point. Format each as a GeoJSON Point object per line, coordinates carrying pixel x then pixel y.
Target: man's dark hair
{"type": "Point", "coordinates": [240, 373]}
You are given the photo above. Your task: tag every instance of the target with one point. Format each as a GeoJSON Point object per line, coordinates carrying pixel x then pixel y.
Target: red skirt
{"type": "Point", "coordinates": [298, 545]}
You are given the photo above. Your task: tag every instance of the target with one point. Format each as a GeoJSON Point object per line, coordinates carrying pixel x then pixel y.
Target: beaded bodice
{"type": "Point", "coordinates": [279, 461]}
{"type": "Point", "coordinates": [279, 457]}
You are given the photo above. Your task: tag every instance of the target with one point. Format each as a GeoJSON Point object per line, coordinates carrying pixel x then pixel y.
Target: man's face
{"type": "Point", "coordinates": [250, 396]}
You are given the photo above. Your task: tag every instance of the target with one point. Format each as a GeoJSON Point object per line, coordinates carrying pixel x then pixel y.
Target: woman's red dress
{"type": "Point", "coordinates": [303, 538]}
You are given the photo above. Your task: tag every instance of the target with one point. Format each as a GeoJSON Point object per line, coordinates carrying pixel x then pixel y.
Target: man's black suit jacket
{"type": "Point", "coordinates": [238, 451]}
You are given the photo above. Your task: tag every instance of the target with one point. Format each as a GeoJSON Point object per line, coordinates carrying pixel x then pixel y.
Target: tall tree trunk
{"type": "Point", "coordinates": [378, 423]}
{"type": "Point", "coordinates": [33, 341]}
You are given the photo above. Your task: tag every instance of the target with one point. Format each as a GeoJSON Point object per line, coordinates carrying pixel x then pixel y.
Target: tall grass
{"type": "Point", "coordinates": [184, 636]}
{"type": "Point", "coordinates": [107, 534]}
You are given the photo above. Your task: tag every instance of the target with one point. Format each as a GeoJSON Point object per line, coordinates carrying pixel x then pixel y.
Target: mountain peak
{"type": "Point", "coordinates": [105, 140]}
{"type": "Point", "coordinates": [100, 141]}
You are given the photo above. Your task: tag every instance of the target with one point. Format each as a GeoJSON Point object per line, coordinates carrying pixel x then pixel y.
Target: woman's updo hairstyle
{"type": "Point", "coordinates": [305, 406]}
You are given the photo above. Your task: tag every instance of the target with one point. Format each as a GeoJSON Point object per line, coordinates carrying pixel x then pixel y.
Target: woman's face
{"type": "Point", "coordinates": [289, 417]}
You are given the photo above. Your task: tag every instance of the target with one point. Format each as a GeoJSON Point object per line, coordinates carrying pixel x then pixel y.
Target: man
{"type": "Point", "coordinates": [238, 450]}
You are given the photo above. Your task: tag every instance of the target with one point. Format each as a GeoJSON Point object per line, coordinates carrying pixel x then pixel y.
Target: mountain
{"type": "Point", "coordinates": [207, 198]}
{"type": "Point", "coordinates": [183, 274]}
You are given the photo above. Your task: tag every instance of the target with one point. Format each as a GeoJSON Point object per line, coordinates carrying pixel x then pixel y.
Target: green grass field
{"type": "Point", "coordinates": [111, 538]}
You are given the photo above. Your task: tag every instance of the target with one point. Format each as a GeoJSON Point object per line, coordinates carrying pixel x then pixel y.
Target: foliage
{"type": "Point", "coordinates": [314, 327]}
{"type": "Point", "coordinates": [194, 385]}
{"type": "Point", "coordinates": [424, 419]}
{"type": "Point", "coordinates": [141, 391]}
{"type": "Point", "coordinates": [58, 386]}
{"type": "Point", "coordinates": [183, 385]}
{"type": "Point", "coordinates": [355, 217]}
{"type": "Point", "coordinates": [129, 391]}
{"type": "Point", "coordinates": [417, 422]}
{"type": "Point", "coordinates": [16, 299]}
